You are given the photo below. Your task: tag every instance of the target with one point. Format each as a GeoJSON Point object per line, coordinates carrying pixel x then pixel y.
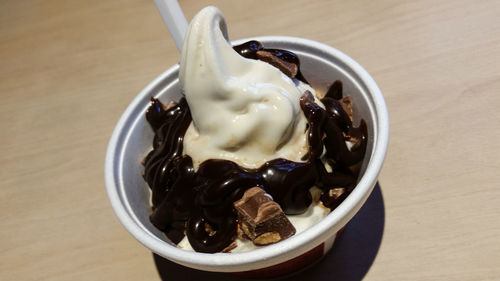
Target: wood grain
{"type": "Point", "coordinates": [68, 69]}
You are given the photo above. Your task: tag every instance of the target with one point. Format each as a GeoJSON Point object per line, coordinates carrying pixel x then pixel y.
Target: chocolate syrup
{"type": "Point", "coordinates": [199, 203]}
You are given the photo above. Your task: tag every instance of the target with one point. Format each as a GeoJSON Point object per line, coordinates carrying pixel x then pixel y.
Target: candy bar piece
{"type": "Point", "coordinates": [346, 104]}
{"type": "Point", "coordinates": [335, 90]}
{"type": "Point", "coordinates": [229, 248]}
{"type": "Point", "coordinates": [262, 219]}
{"type": "Point", "coordinates": [333, 197]}
{"type": "Point", "coordinates": [288, 68]}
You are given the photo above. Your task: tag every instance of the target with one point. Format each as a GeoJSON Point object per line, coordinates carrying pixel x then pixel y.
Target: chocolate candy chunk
{"type": "Point", "coordinates": [346, 104]}
{"type": "Point", "coordinates": [333, 197]}
{"type": "Point", "coordinates": [335, 90]}
{"type": "Point", "coordinates": [229, 248]}
{"type": "Point", "coordinates": [288, 68]}
{"type": "Point", "coordinates": [262, 219]}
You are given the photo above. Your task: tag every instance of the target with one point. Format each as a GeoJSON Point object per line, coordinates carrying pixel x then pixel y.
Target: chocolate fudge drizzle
{"type": "Point", "coordinates": [199, 203]}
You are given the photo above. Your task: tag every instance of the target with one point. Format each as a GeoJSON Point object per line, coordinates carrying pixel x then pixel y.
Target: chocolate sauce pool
{"type": "Point", "coordinates": [200, 203]}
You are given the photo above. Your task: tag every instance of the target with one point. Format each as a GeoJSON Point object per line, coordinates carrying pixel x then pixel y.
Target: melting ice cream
{"type": "Point", "coordinates": [243, 110]}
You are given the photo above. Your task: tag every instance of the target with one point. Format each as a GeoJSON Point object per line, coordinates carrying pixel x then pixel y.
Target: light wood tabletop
{"type": "Point", "coordinates": [68, 69]}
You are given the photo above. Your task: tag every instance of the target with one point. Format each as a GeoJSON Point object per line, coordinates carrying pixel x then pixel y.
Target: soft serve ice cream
{"type": "Point", "coordinates": [248, 127]}
{"type": "Point", "coordinates": [246, 111]}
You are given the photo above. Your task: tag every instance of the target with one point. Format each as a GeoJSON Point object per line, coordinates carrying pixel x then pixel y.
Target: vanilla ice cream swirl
{"type": "Point", "coordinates": [243, 110]}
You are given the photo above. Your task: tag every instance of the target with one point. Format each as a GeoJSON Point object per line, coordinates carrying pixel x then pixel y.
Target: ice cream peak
{"type": "Point", "coordinates": [243, 110]}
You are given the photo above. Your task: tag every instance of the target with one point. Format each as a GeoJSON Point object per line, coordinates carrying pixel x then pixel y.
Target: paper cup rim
{"type": "Point", "coordinates": [280, 252]}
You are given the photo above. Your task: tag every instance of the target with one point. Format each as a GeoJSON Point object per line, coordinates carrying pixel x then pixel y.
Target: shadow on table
{"type": "Point", "coordinates": [350, 259]}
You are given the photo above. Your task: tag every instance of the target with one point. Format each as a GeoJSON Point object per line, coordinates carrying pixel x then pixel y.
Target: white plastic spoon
{"type": "Point", "coordinates": [174, 19]}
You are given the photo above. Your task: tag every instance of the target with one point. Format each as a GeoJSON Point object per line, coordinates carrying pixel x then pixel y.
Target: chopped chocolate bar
{"type": "Point", "coordinates": [346, 104]}
{"type": "Point", "coordinates": [262, 219]}
{"type": "Point", "coordinates": [290, 69]}
{"type": "Point", "coordinates": [334, 197]}
{"type": "Point", "coordinates": [335, 90]}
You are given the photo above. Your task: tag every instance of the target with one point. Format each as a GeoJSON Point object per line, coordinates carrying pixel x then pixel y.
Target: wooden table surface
{"type": "Point", "coordinates": [68, 69]}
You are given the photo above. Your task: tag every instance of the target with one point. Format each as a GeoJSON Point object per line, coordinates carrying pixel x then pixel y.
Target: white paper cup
{"type": "Point", "coordinates": [132, 139]}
